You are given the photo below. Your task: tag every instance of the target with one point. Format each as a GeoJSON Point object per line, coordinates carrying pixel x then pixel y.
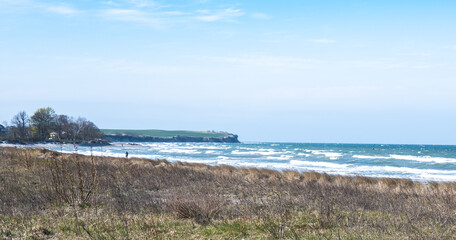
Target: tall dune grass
{"type": "Point", "coordinates": [46, 194]}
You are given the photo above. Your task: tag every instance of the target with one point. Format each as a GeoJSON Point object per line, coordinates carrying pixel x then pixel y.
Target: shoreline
{"type": "Point", "coordinates": [240, 168]}
{"type": "Point", "coordinates": [138, 150]}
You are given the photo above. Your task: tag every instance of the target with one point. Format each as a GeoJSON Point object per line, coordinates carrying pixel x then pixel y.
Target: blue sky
{"type": "Point", "coordinates": [292, 71]}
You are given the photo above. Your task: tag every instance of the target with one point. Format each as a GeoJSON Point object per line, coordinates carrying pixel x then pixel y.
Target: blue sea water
{"type": "Point", "coordinates": [416, 162]}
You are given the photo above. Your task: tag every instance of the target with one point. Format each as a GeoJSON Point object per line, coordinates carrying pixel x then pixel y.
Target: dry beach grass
{"type": "Point", "coordinates": [50, 195]}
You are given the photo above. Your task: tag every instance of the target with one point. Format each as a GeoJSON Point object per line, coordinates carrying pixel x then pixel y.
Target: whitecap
{"type": "Point", "coordinates": [177, 150]}
{"type": "Point", "coordinates": [264, 153]}
{"type": "Point", "coordinates": [319, 164]}
{"type": "Point", "coordinates": [370, 157]}
{"type": "Point", "coordinates": [304, 154]}
{"type": "Point", "coordinates": [423, 158]}
{"type": "Point", "coordinates": [330, 155]}
{"type": "Point", "coordinates": [400, 170]}
{"type": "Point", "coordinates": [282, 157]}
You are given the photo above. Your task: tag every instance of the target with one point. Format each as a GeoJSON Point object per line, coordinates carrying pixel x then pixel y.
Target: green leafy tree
{"type": "Point", "coordinates": [42, 121]}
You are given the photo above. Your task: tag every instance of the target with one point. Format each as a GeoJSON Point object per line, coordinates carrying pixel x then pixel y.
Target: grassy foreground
{"type": "Point", "coordinates": [48, 195]}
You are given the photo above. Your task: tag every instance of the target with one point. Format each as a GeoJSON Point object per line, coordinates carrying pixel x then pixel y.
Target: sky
{"type": "Point", "coordinates": [270, 71]}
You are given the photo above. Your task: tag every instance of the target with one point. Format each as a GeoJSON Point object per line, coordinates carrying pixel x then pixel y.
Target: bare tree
{"type": "Point", "coordinates": [20, 124]}
{"type": "Point", "coordinates": [3, 129]}
{"type": "Point", "coordinates": [90, 131]}
{"type": "Point", "coordinates": [62, 126]}
{"type": "Point", "coordinates": [44, 122]}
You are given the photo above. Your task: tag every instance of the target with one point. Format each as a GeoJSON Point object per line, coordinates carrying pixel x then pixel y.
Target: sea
{"type": "Point", "coordinates": [417, 162]}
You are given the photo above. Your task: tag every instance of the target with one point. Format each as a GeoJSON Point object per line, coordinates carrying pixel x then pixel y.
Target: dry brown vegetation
{"type": "Point", "coordinates": [46, 194]}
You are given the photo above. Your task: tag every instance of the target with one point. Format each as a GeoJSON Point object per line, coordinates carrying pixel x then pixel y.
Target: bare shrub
{"type": "Point", "coordinates": [274, 211]}
{"type": "Point", "coordinates": [201, 209]}
{"type": "Point", "coordinates": [72, 181]}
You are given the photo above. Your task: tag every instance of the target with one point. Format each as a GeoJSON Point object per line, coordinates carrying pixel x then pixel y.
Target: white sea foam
{"type": "Point", "coordinates": [10, 145]}
{"type": "Point", "coordinates": [410, 158]}
{"type": "Point", "coordinates": [264, 153]}
{"type": "Point", "coordinates": [438, 177]}
{"type": "Point", "coordinates": [237, 152]}
{"type": "Point", "coordinates": [370, 157]}
{"type": "Point", "coordinates": [319, 164]}
{"type": "Point", "coordinates": [413, 173]}
{"type": "Point", "coordinates": [304, 154]}
{"type": "Point", "coordinates": [282, 157]}
{"type": "Point", "coordinates": [96, 153]}
{"type": "Point", "coordinates": [330, 155]}
{"type": "Point", "coordinates": [261, 165]}
{"type": "Point", "coordinates": [390, 169]}
{"type": "Point", "coordinates": [248, 148]}
{"type": "Point", "coordinates": [154, 145]}
{"type": "Point", "coordinates": [424, 158]}
{"type": "Point", "coordinates": [214, 147]}
{"type": "Point", "coordinates": [177, 150]}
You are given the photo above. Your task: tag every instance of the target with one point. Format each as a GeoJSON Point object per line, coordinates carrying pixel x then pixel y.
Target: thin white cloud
{"type": "Point", "coordinates": [64, 10]}
{"type": "Point", "coordinates": [417, 54]}
{"type": "Point", "coordinates": [142, 3]}
{"type": "Point", "coordinates": [227, 33]}
{"type": "Point", "coordinates": [386, 64]}
{"type": "Point", "coordinates": [139, 11]}
{"type": "Point", "coordinates": [268, 61]}
{"type": "Point", "coordinates": [174, 13]}
{"type": "Point", "coordinates": [228, 14]}
{"type": "Point", "coordinates": [323, 40]}
{"type": "Point", "coordinates": [31, 5]}
{"type": "Point", "coordinates": [12, 2]}
{"type": "Point", "coordinates": [129, 15]}
{"type": "Point", "coordinates": [290, 62]}
{"type": "Point", "coordinates": [260, 16]}
{"type": "Point", "coordinates": [332, 92]}
{"type": "Point", "coordinates": [110, 3]}
{"type": "Point", "coordinates": [203, 11]}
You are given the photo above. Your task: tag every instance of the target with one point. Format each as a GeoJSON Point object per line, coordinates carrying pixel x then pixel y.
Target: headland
{"type": "Point", "coordinates": [118, 135]}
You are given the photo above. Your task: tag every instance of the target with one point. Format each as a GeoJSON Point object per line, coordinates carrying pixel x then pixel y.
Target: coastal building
{"type": "Point", "coordinates": [2, 130]}
{"type": "Point", "coordinates": [53, 136]}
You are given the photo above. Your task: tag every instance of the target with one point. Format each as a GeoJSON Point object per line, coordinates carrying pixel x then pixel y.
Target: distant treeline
{"type": "Point", "coordinates": [46, 125]}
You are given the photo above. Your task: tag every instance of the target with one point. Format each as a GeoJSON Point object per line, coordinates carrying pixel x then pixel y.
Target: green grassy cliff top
{"type": "Point", "coordinates": [165, 133]}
